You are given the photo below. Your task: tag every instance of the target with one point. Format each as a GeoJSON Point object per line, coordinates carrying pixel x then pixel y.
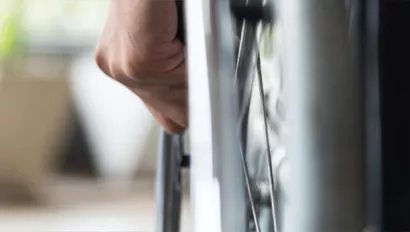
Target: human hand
{"type": "Point", "coordinates": [139, 49]}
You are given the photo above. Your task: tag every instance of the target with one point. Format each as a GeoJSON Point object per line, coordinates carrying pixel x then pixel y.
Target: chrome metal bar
{"type": "Point", "coordinates": [325, 116]}
{"type": "Point", "coordinates": [168, 184]}
{"type": "Point", "coordinates": [217, 185]}
{"type": "Point", "coordinates": [225, 111]}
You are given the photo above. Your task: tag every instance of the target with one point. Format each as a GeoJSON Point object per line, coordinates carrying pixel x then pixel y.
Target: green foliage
{"type": "Point", "coordinates": [10, 16]}
{"type": "Point", "coordinates": [8, 37]}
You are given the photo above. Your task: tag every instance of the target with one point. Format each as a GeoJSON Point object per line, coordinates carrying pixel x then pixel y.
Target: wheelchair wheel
{"type": "Point", "coordinates": [268, 84]}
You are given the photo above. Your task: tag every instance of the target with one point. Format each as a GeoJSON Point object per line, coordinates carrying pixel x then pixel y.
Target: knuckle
{"type": "Point", "coordinates": [101, 60]}
{"type": "Point", "coordinates": [133, 67]}
{"type": "Point", "coordinates": [127, 61]}
{"type": "Point", "coordinates": [123, 67]}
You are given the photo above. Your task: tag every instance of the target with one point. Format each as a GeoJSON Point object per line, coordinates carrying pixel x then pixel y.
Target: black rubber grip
{"type": "Point", "coordinates": [181, 21]}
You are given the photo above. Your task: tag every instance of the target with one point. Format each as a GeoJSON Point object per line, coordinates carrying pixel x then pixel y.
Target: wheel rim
{"type": "Point", "coordinates": [224, 44]}
{"type": "Point", "coordinates": [303, 62]}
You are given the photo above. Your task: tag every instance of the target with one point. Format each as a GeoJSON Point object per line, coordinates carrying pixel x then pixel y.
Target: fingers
{"type": "Point", "coordinates": [171, 102]}
{"type": "Point", "coordinates": [168, 125]}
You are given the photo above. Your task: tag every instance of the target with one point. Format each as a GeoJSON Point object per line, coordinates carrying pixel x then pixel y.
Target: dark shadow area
{"type": "Point", "coordinates": [394, 70]}
{"type": "Point", "coordinates": [76, 157]}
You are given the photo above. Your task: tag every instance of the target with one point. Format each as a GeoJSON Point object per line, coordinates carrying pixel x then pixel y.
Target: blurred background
{"type": "Point", "coordinates": [77, 150]}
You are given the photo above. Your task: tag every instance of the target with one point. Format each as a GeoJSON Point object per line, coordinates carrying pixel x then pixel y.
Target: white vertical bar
{"type": "Point", "coordinates": [216, 173]}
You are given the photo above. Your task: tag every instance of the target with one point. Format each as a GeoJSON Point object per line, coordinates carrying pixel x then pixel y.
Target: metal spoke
{"type": "Point", "coordinates": [269, 157]}
{"type": "Point", "coordinates": [240, 50]}
{"type": "Point", "coordinates": [245, 165]}
{"type": "Point", "coordinates": [249, 190]}
{"type": "Point", "coordinates": [242, 116]}
{"type": "Point", "coordinates": [248, 56]}
{"type": "Point", "coordinates": [261, 166]}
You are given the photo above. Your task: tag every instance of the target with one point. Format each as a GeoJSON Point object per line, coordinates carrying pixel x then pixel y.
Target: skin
{"type": "Point", "coordinates": [138, 48]}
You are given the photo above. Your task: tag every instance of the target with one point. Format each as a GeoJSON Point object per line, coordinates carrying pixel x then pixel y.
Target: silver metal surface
{"type": "Point", "coordinates": [217, 185]}
{"type": "Point", "coordinates": [168, 184]}
{"type": "Point", "coordinates": [370, 57]}
{"type": "Point", "coordinates": [325, 115]}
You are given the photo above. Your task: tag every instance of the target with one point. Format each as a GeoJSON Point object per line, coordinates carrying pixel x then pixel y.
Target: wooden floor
{"type": "Point", "coordinates": [85, 206]}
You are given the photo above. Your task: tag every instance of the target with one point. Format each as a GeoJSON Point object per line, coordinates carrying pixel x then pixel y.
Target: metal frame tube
{"type": "Point", "coordinates": [217, 185]}
{"type": "Point", "coordinates": [168, 184]}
